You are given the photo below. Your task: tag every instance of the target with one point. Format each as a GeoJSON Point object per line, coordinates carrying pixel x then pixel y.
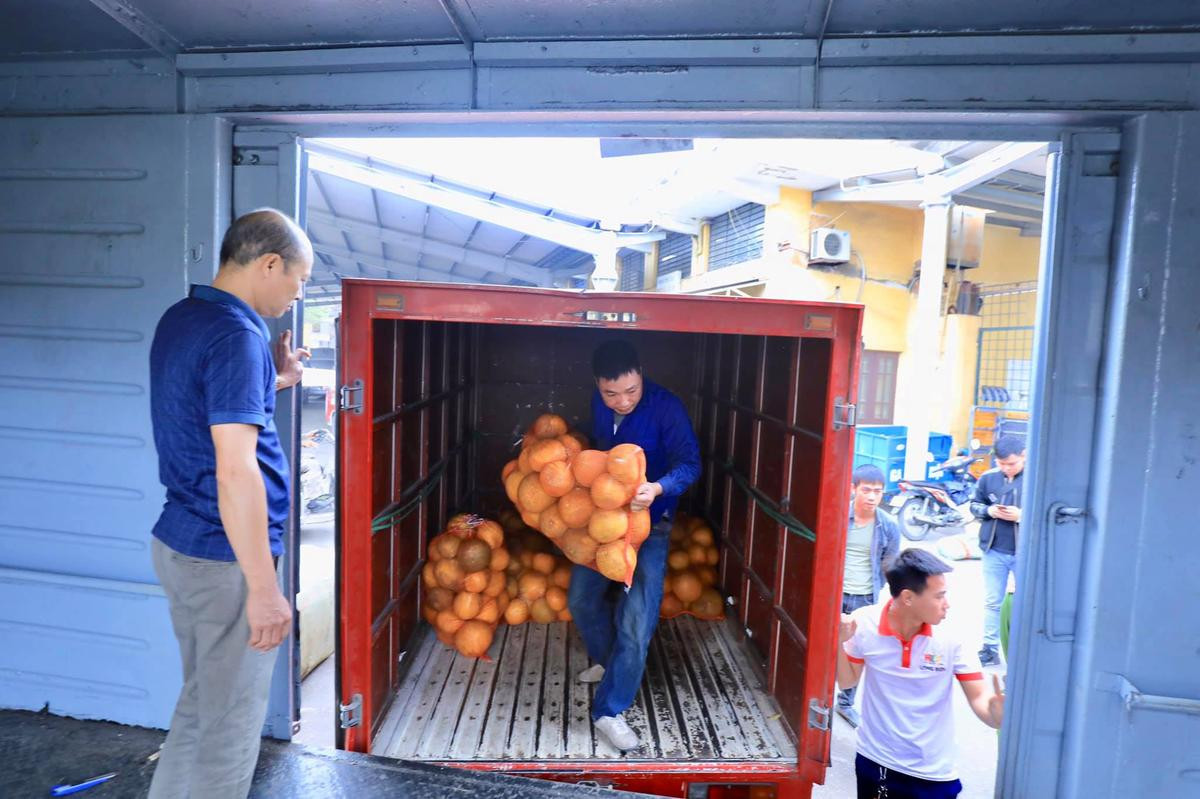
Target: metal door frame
{"type": "Point", "coordinates": [1089, 144]}
{"type": "Point", "coordinates": [256, 184]}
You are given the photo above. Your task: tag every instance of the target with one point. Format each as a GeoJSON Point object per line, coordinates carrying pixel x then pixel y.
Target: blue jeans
{"type": "Point", "coordinates": [996, 568]}
{"type": "Point", "coordinates": [617, 624]}
{"type": "Point", "coordinates": [851, 603]}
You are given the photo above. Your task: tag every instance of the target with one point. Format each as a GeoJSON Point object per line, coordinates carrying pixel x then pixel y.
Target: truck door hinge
{"type": "Point", "coordinates": [818, 715]}
{"type": "Point", "coordinates": [350, 715]}
{"type": "Point", "coordinates": [346, 401]}
{"type": "Point", "coordinates": [845, 414]}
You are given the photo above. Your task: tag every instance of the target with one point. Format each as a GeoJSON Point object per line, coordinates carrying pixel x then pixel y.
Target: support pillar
{"type": "Point", "coordinates": [923, 341]}
{"type": "Point", "coordinates": [605, 272]}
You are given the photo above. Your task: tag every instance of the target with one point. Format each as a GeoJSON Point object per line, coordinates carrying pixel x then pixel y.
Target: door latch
{"type": "Point", "coordinates": [1061, 514]}
{"type": "Point", "coordinates": [627, 317]}
{"type": "Point", "coordinates": [845, 414]}
{"type": "Point", "coordinates": [350, 715]}
{"type": "Point", "coordinates": [818, 715]}
{"type": "Point", "coordinates": [345, 400]}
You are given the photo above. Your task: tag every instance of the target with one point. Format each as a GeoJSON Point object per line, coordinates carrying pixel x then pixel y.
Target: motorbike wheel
{"type": "Point", "coordinates": [912, 529]}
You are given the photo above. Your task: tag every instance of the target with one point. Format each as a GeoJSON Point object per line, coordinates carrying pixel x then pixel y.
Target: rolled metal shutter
{"type": "Point", "coordinates": [633, 268]}
{"type": "Point", "coordinates": [675, 254]}
{"type": "Point", "coordinates": [736, 236]}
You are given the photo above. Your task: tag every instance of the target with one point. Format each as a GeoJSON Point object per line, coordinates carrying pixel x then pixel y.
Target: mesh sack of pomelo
{"type": "Point", "coordinates": [538, 578]}
{"type": "Point", "coordinates": [464, 581]}
{"type": "Point", "coordinates": [579, 498]}
{"type": "Point", "coordinates": [691, 580]}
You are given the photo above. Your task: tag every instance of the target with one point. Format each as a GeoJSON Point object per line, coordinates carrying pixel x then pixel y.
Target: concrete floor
{"type": "Point", "coordinates": [41, 751]}
{"type": "Point", "coordinates": [318, 697]}
{"type": "Point", "coordinates": [318, 694]}
{"type": "Point", "coordinates": [978, 744]}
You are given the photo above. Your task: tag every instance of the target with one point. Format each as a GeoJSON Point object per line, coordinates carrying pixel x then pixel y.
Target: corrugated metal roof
{"type": "Point", "coordinates": [360, 231]}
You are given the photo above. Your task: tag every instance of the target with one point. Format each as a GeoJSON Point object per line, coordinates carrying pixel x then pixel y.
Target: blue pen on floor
{"type": "Point", "coordinates": [67, 790]}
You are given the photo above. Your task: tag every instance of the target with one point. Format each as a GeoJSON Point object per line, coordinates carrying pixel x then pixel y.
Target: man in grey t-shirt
{"type": "Point", "coordinates": [872, 540]}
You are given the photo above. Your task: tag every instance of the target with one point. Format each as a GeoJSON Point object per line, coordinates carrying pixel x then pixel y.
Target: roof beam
{"type": "Point", "coordinates": [438, 249]}
{"type": "Point", "coordinates": [939, 185]}
{"type": "Point", "coordinates": [984, 166]}
{"type": "Point", "coordinates": [547, 228]}
{"type": "Point", "coordinates": [134, 20]}
{"type": "Point", "coordinates": [1014, 211]}
{"type": "Point", "coordinates": [750, 191]}
{"type": "Point", "coordinates": [677, 224]}
{"type": "Point", "coordinates": [398, 269]}
{"type": "Point", "coordinates": [1015, 199]}
{"type": "Point", "coordinates": [462, 19]}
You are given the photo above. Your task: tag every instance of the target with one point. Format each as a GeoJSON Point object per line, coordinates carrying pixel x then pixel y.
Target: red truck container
{"type": "Point", "coordinates": [440, 382]}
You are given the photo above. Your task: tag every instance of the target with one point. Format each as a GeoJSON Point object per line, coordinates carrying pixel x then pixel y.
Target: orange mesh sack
{"type": "Point", "coordinates": [538, 578]}
{"type": "Point", "coordinates": [464, 581]}
{"type": "Point", "coordinates": [579, 498]}
{"type": "Point", "coordinates": [691, 582]}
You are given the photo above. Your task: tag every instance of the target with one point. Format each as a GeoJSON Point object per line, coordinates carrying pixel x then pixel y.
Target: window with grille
{"type": "Point", "coordinates": [1004, 374]}
{"type": "Point", "coordinates": [633, 265]}
{"type": "Point", "coordinates": [675, 254]}
{"type": "Point", "coordinates": [877, 387]}
{"type": "Point", "coordinates": [736, 236]}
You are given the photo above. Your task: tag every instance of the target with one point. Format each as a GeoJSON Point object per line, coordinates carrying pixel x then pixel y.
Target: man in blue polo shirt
{"type": "Point", "coordinates": [213, 378]}
{"type": "Point", "coordinates": [628, 409]}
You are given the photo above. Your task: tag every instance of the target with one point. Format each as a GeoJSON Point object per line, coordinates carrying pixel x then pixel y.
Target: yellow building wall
{"type": "Point", "coordinates": [886, 241]}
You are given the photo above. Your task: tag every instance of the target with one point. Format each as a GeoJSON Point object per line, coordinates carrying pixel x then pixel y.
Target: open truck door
{"type": "Point", "coordinates": [769, 385]}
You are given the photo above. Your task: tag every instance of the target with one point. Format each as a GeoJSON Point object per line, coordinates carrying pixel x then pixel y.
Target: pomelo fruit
{"type": "Point", "coordinates": [473, 639]}
{"type": "Point", "coordinates": [608, 525]}
{"type": "Point", "coordinates": [616, 560]}
{"type": "Point", "coordinates": [588, 465]}
{"type": "Point", "coordinates": [608, 492]}
{"type": "Point", "coordinates": [531, 497]}
{"type": "Point", "coordinates": [576, 507]}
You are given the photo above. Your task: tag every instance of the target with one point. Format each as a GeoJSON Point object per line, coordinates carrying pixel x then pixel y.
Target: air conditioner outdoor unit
{"type": "Point", "coordinates": [829, 246]}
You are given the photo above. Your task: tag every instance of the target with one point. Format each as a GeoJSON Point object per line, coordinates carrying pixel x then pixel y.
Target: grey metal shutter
{"type": "Point", "coordinates": [736, 236]}
{"type": "Point", "coordinates": [675, 254]}
{"type": "Point", "coordinates": [633, 268]}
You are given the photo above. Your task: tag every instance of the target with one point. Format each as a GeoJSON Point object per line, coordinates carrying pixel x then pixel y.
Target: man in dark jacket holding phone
{"type": "Point", "coordinates": [997, 504]}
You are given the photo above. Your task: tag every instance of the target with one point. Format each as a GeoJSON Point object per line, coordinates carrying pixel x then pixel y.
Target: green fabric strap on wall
{"type": "Point", "coordinates": [789, 522]}
{"type": "Point", "coordinates": [399, 514]}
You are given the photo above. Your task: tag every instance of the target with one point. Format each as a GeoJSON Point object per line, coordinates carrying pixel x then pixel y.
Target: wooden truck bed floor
{"type": "Point", "coordinates": [700, 700]}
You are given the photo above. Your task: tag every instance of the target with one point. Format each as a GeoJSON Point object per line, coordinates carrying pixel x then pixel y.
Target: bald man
{"type": "Point", "coordinates": [213, 380]}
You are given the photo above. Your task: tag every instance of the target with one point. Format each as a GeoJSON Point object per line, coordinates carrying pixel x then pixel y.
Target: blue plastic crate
{"type": "Point", "coordinates": [885, 446]}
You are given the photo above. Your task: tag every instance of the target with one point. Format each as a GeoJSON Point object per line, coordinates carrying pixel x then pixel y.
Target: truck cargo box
{"type": "Point", "coordinates": [439, 382]}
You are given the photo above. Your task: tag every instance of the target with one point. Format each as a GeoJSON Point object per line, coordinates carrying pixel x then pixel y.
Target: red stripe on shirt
{"type": "Point", "coordinates": [968, 677]}
{"type": "Point", "coordinates": [853, 659]}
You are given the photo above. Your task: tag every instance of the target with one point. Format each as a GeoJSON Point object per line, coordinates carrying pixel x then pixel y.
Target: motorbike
{"type": "Point", "coordinates": [922, 506]}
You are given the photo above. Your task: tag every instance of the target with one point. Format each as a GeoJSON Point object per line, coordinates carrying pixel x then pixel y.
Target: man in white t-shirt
{"type": "Point", "coordinates": [908, 667]}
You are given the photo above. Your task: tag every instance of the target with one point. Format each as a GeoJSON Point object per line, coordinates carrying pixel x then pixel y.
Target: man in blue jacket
{"type": "Point", "coordinates": [872, 541]}
{"type": "Point", "coordinates": [213, 379]}
{"type": "Point", "coordinates": [997, 504]}
{"type": "Point", "coordinates": [628, 409]}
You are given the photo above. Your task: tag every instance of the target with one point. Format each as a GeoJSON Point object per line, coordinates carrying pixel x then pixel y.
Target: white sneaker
{"type": "Point", "coordinates": [592, 674]}
{"type": "Point", "coordinates": [617, 732]}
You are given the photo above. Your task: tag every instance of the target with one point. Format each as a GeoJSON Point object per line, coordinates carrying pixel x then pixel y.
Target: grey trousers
{"type": "Point", "coordinates": [212, 746]}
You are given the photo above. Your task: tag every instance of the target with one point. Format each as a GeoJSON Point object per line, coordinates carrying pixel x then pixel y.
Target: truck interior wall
{"type": "Point", "coordinates": [462, 394]}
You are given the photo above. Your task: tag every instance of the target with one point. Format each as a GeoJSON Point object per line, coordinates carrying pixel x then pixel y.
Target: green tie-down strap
{"type": "Point", "coordinates": [397, 515]}
{"type": "Point", "coordinates": [789, 522]}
